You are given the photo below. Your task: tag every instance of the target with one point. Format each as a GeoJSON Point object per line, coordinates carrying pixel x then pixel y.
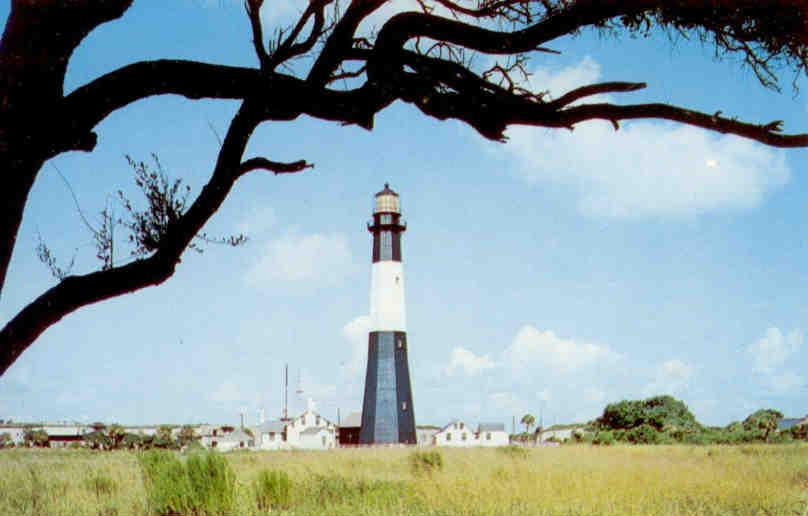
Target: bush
{"type": "Point", "coordinates": [514, 451]}
{"type": "Point", "coordinates": [603, 438]}
{"type": "Point", "coordinates": [643, 434]}
{"type": "Point", "coordinates": [426, 461]}
{"type": "Point", "coordinates": [272, 490]}
{"type": "Point", "coordinates": [204, 485]}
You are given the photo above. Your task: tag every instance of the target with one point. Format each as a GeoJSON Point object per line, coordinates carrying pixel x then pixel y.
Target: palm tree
{"type": "Point", "coordinates": [528, 420]}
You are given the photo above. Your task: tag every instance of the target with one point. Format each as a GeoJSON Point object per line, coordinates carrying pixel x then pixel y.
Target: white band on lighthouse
{"type": "Point", "coordinates": [387, 297]}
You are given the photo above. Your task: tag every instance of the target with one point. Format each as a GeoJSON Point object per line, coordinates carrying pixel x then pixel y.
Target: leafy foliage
{"type": "Point", "coordinates": [663, 420]}
{"type": "Point", "coordinates": [187, 435]}
{"type": "Point", "coordinates": [166, 202]}
{"type": "Point", "coordinates": [36, 437]}
{"type": "Point", "coordinates": [764, 420]}
{"type": "Point", "coordinates": [528, 420]}
{"type": "Point", "coordinates": [6, 441]}
{"type": "Point", "coordinates": [660, 412]}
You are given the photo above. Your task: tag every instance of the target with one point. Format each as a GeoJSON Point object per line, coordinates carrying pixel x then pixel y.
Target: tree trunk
{"type": "Point", "coordinates": [15, 183]}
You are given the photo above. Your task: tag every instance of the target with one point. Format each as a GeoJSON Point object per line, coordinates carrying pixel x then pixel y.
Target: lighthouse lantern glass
{"type": "Point", "coordinates": [387, 204]}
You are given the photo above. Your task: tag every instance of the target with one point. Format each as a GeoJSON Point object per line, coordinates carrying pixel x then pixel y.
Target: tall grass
{"type": "Point", "coordinates": [272, 490]}
{"type": "Point", "coordinates": [574, 480]}
{"type": "Point", "coordinates": [202, 485]}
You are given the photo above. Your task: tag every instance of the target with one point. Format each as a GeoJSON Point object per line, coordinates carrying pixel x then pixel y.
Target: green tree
{"type": "Point", "coordinates": [763, 421]}
{"type": "Point", "coordinates": [98, 440]}
{"type": "Point", "coordinates": [800, 431]}
{"type": "Point", "coordinates": [6, 441]}
{"type": "Point", "coordinates": [132, 441]}
{"type": "Point", "coordinates": [528, 420]}
{"type": "Point", "coordinates": [164, 437]}
{"type": "Point", "coordinates": [187, 435]}
{"type": "Point", "coordinates": [663, 413]}
{"type": "Point", "coordinates": [36, 437]}
{"type": "Point", "coordinates": [116, 434]}
{"type": "Point", "coordinates": [300, 72]}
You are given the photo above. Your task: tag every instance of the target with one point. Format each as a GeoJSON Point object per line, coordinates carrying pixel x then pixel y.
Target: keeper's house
{"type": "Point", "coordinates": [458, 434]}
{"type": "Point", "coordinates": [308, 431]}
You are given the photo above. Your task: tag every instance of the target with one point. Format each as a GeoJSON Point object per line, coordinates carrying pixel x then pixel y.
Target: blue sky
{"type": "Point", "coordinates": [554, 274]}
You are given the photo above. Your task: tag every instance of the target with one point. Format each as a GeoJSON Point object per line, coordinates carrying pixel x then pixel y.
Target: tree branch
{"type": "Point", "coordinates": [273, 166]}
{"type": "Point", "coordinates": [253, 8]}
{"type": "Point", "coordinates": [768, 133]}
{"type": "Point", "coordinates": [596, 89]}
{"type": "Point", "coordinates": [75, 292]}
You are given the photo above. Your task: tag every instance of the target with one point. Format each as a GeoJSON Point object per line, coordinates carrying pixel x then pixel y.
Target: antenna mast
{"type": "Point", "coordinates": [286, 392]}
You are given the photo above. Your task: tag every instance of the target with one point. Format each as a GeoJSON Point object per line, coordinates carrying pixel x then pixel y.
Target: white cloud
{"type": "Point", "coordinates": [325, 258]}
{"type": "Point", "coordinates": [774, 349]}
{"type": "Point", "coordinates": [671, 377]}
{"type": "Point", "coordinates": [533, 347]}
{"type": "Point", "coordinates": [655, 169]}
{"type": "Point", "coordinates": [468, 363]}
{"type": "Point", "coordinates": [566, 79]}
{"type": "Point", "coordinates": [257, 221]}
{"type": "Point", "coordinates": [785, 382]}
{"type": "Point", "coordinates": [356, 333]}
{"type": "Point", "coordinates": [508, 402]}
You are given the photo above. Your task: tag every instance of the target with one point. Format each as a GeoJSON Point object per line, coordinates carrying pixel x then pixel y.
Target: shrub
{"type": "Point", "coordinates": [643, 434]}
{"type": "Point", "coordinates": [204, 485]}
{"type": "Point", "coordinates": [426, 461]}
{"type": "Point", "coordinates": [272, 490]}
{"type": "Point", "coordinates": [513, 451]}
{"type": "Point", "coordinates": [603, 438]}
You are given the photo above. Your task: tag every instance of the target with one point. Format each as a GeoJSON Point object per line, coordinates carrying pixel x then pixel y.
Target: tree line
{"type": "Point", "coordinates": [112, 437]}
{"type": "Point", "coordinates": [666, 420]}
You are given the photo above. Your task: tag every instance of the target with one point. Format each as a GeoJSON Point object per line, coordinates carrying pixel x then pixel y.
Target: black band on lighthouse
{"type": "Point", "coordinates": [386, 229]}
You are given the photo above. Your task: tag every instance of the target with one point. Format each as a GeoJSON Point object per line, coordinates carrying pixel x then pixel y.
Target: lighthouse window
{"type": "Point", "coordinates": [386, 219]}
{"type": "Point", "coordinates": [403, 405]}
{"type": "Point", "coordinates": [400, 343]}
{"type": "Point", "coordinates": [386, 247]}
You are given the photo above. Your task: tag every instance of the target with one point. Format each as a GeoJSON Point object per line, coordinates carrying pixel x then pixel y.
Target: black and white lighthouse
{"type": "Point", "coordinates": [387, 409]}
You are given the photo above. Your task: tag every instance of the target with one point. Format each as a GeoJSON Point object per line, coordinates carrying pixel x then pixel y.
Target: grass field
{"type": "Point", "coordinates": [563, 481]}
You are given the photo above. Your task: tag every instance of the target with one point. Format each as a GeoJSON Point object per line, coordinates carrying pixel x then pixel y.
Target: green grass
{"type": "Point", "coordinates": [559, 481]}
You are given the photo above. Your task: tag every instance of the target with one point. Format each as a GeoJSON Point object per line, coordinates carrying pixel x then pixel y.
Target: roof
{"type": "Point", "coordinates": [788, 422]}
{"type": "Point", "coordinates": [235, 436]}
{"type": "Point", "coordinates": [450, 423]}
{"type": "Point", "coordinates": [271, 426]}
{"type": "Point", "coordinates": [313, 430]}
{"type": "Point", "coordinates": [354, 419]}
{"type": "Point", "coordinates": [491, 427]}
{"type": "Point", "coordinates": [387, 191]}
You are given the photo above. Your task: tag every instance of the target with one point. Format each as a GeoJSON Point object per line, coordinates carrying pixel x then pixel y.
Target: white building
{"type": "Point", "coordinates": [226, 438]}
{"type": "Point", "coordinates": [309, 431]}
{"type": "Point", "coordinates": [458, 434]}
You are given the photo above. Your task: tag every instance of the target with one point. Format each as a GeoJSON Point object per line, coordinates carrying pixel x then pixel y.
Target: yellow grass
{"type": "Point", "coordinates": [564, 481]}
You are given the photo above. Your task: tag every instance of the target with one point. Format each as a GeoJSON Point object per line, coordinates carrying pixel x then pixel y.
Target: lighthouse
{"type": "Point", "coordinates": [387, 409]}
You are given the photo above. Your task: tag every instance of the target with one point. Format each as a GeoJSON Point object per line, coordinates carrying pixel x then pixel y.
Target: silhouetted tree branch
{"type": "Point", "coordinates": [38, 122]}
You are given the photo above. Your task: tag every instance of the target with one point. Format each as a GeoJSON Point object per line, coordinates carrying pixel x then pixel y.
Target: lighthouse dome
{"type": "Point", "coordinates": [387, 201]}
